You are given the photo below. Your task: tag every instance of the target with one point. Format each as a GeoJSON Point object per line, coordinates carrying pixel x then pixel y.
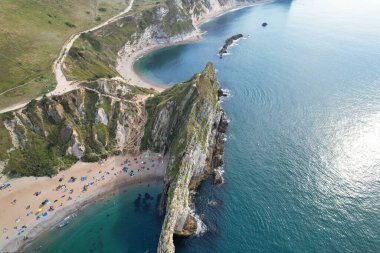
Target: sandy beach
{"type": "Point", "coordinates": [132, 53]}
{"type": "Point", "coordinates": [32, 205]}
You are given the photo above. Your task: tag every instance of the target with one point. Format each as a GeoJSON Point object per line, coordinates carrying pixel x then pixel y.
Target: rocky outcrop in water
{"type": "Point", "coordinates": [228, 43]}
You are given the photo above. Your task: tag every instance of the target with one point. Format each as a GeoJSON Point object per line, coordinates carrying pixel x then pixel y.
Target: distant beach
{"type": "Point", "coordinates": [35, 205]}
{"type": "Point", "coordinates": [132, 53]}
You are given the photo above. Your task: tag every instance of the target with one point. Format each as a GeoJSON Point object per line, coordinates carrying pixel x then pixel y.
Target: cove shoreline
{"type": "Point", "coordinates": [41, 232]}
{"type": "Point", "coordinates": [126, 64]}
{"type": "Point", "coordinates": [37, 229]}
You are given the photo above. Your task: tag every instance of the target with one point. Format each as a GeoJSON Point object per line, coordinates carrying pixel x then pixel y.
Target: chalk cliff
{"type": "Point", "coordinates": [99, 119]}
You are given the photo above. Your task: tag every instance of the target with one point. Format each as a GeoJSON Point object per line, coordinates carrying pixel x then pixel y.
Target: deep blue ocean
{"type": "Point", "coordinates": [303, 152]}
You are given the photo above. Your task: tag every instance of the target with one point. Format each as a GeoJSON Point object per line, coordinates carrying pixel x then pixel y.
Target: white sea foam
{"type": "Point", "coordinates": [227, 92]}
{"type": "Point", "coordinates": [201, 227]}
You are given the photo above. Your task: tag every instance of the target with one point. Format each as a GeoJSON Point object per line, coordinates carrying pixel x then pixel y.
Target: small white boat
{"type": "Point", "coordinates": [65, 222]}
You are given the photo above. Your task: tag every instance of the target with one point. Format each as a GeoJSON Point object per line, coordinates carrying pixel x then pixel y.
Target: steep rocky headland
{"type": "Point", "coordinates": [187, 123]}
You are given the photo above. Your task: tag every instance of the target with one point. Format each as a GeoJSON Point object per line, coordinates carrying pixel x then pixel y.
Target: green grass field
{"type": "Point", "coordinates": [31, 35]}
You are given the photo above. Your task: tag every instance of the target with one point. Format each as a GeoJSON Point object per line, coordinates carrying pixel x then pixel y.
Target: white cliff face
{"type": "Point", "coordinates": [162, 124]}
{"type": "Point", "coordinates": [114, 87]}
{"type": "Point", "coordinates": [121, 135]}
{"type": "Point", "coordinates": [211, 7]}
{"type": "Point", "coordinates": [193, 167]}
{"type": "Point", "coordinates": [17, 141]}
{"type": "Point", "coordinates": [101, 117]}
{"type": "Point", "coordinates": [77, 149]}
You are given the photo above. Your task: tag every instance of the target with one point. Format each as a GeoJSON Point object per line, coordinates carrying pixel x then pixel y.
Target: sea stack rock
{"type": "Point", "coordinates": [228, 43]}
{"type": "Point", "coordinates": [264, 24]}
{"type": "Point", "coordinates": [221, 93]}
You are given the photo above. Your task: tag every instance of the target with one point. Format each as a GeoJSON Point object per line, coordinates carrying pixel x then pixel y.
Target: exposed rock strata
{"type": "Point", "coordinates": [98, 120]}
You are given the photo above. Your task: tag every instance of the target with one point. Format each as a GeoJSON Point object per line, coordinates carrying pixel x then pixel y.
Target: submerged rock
{"type": "Point", "coordinates": [213, 203]}
{"type": "Point", "coordinates": [264, 24]}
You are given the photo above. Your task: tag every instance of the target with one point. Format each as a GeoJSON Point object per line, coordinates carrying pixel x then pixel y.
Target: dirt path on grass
{"type": "Point", "coordinates": [64, 85]}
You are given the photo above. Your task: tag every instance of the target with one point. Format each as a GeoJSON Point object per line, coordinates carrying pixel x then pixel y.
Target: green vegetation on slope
{"type": "Point", "coordinates": [31, 35]}
{"type": "Point", "coordinates": [94, 54]}
{"type": "Point", "coordinates": [39, 157]}
{"type": "Point", "coordinates": [5, 139]}
{"type": "Point", "coordinates": [187, 107]}
{"type": "Point", "coordinates": [45, 131]}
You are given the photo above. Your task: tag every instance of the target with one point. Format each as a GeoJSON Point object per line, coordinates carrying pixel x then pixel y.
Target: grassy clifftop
{"type": "Point", "coordinates": [31, 35]}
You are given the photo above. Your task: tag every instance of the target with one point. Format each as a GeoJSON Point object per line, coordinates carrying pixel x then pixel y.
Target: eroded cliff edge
{"type": "Point", "coordinates": [186, 123]}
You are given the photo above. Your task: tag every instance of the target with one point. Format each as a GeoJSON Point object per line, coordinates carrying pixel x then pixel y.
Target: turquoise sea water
{"type": "Point", "coordinates": [115, 224]}
{"type": "Point", "coordinates": [303, 153]}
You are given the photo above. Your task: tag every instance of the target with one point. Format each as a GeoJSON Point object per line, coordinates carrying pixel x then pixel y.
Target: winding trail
{"type": "Point", "coordinates": [64, 85]}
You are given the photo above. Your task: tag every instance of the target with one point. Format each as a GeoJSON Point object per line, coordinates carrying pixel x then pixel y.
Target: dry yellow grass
{"type": "Point", "coordinates": [31, 35]}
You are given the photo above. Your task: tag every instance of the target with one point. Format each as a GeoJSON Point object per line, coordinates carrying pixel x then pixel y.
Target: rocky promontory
{"type": "Point", "coordinates": [187, 124]}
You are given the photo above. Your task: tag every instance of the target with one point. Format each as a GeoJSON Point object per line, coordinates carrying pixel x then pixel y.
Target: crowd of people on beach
{"type": "Point", "coordinates": [70, 189]}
